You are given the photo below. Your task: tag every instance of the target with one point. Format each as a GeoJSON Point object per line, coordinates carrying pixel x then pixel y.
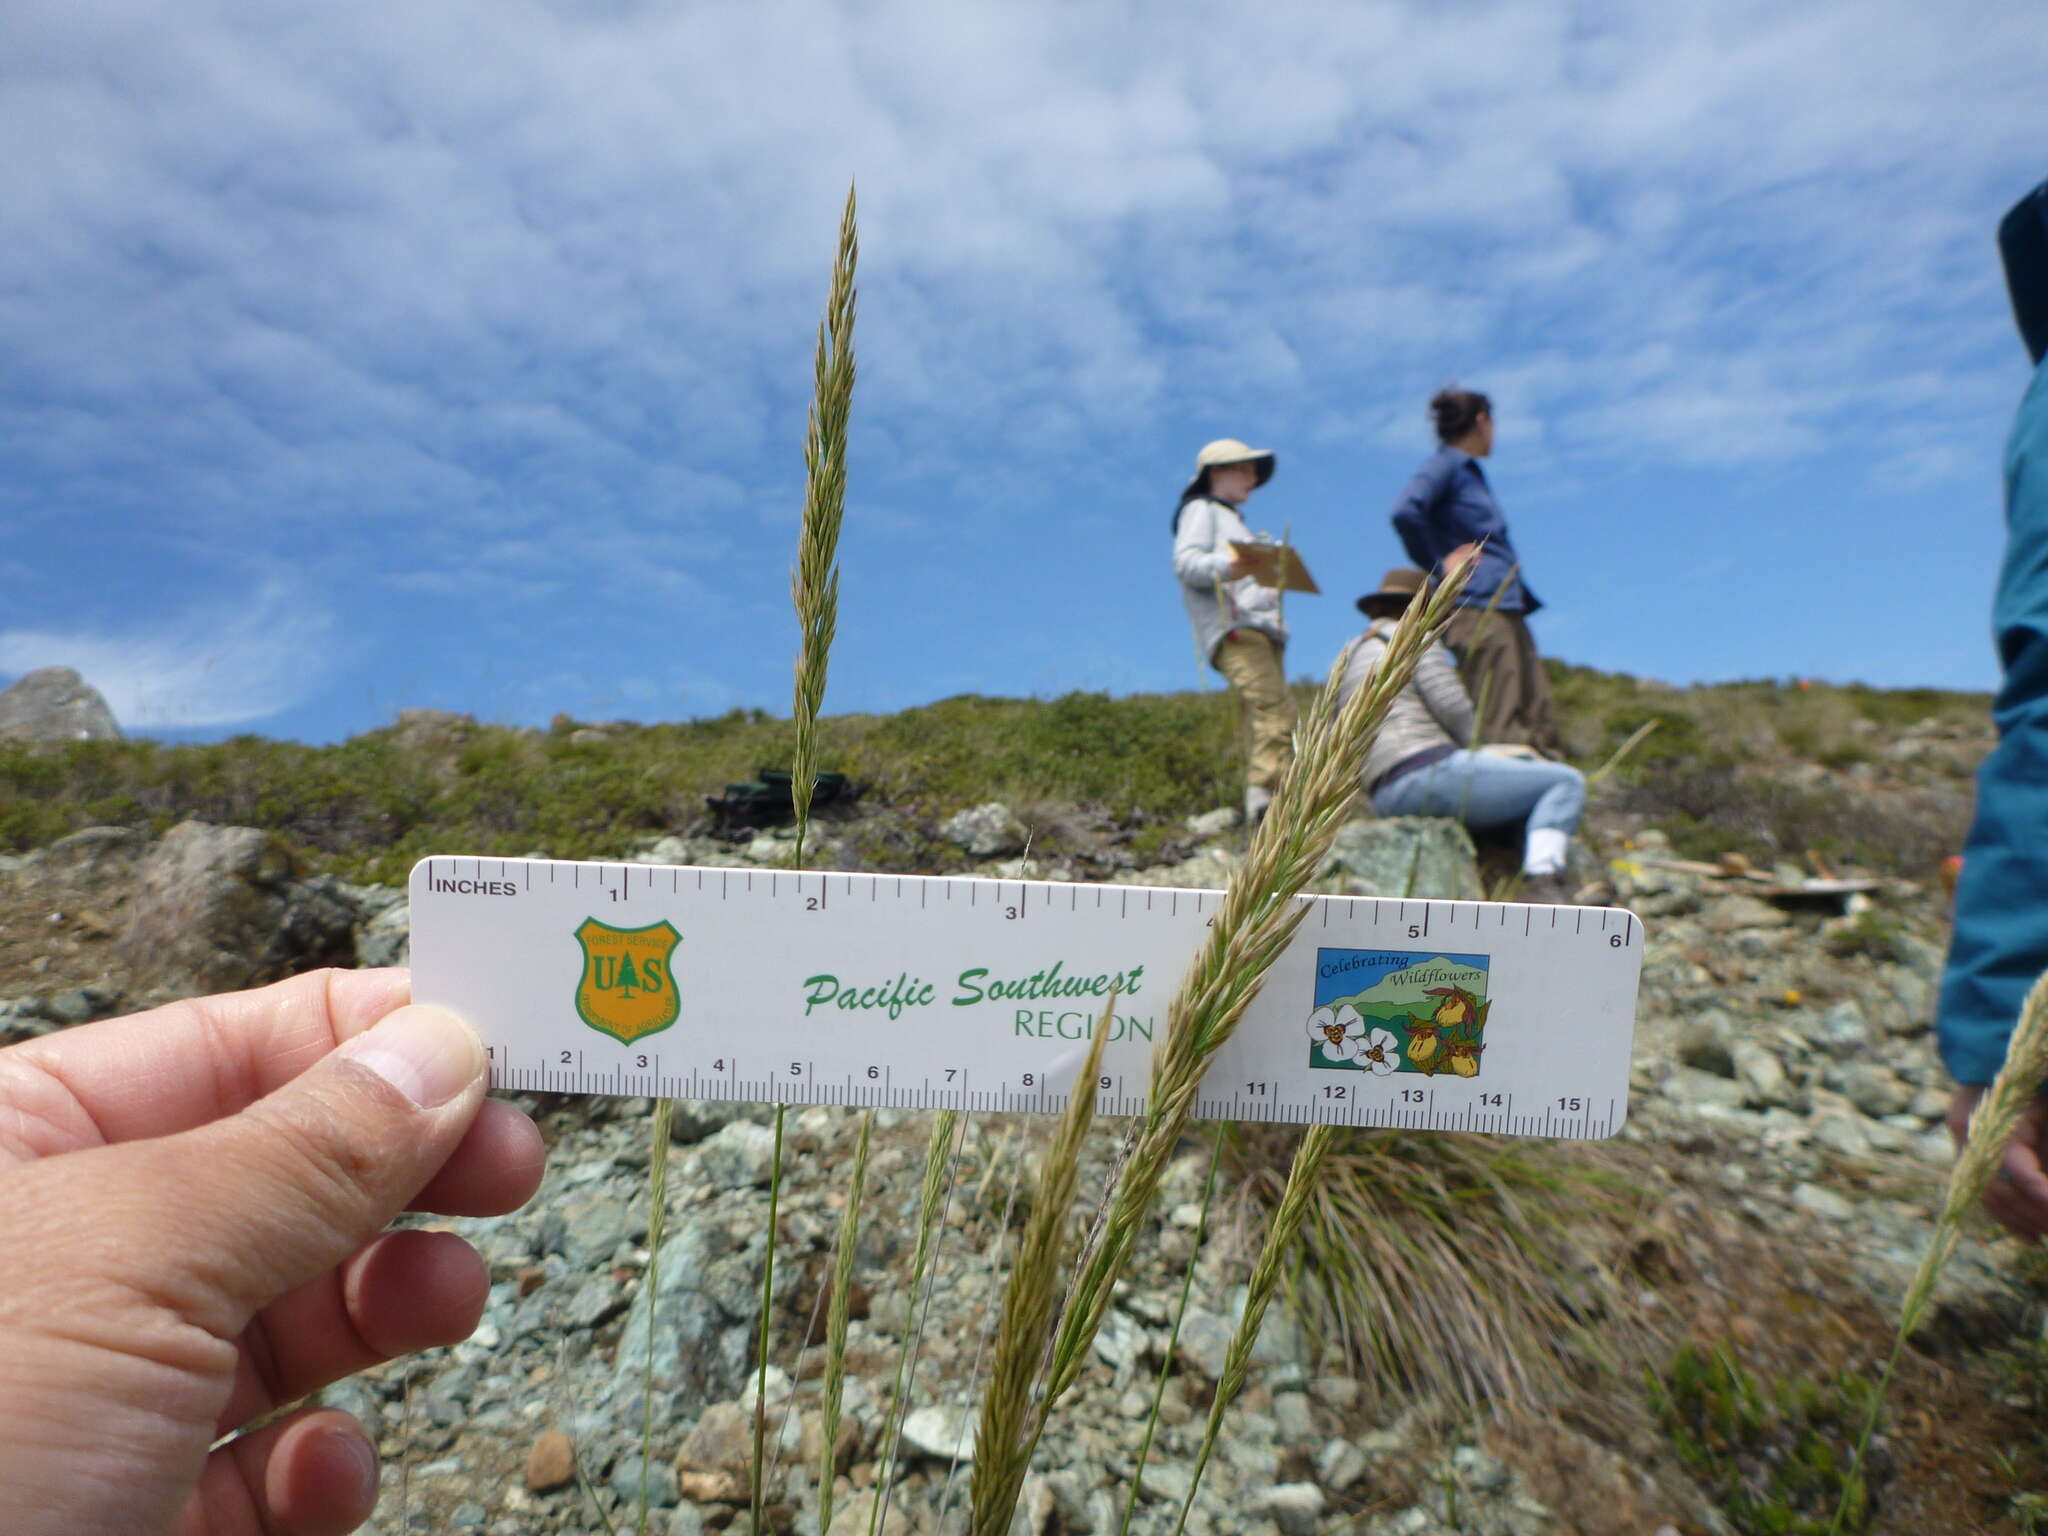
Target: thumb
{"type": "Point", "coordinates": [265, 1200]}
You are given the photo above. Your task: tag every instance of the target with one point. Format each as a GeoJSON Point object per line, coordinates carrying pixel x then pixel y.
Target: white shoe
{"type": "Point", "coordinates": [1256, 801]}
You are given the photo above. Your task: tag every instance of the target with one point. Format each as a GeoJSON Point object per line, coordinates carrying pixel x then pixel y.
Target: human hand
{"type": "Point", "coordinates": [194, 1201]}
{"type": "Point", "coordinates": [1464, 554]}
{"type": "Point", "coordinates": [2017, 1196]}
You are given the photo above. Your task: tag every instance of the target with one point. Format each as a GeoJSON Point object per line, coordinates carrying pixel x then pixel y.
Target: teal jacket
{"type": "Point", "coordinates": [2001, 924]}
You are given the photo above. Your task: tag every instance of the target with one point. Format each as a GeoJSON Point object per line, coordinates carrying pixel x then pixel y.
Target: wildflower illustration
{"type": "Point", "coordinates": [1392, 1010]}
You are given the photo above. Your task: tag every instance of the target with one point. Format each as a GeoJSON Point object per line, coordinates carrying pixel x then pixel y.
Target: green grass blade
{"type": "Point", "coordinates": [1265, 1281]}
{"type": "Point", "coordinates": [657, 1220]}
{"type": "Point", "coordinates": [1187, 1286]}
{"type": "Point", "coordinates": [835, 1327]}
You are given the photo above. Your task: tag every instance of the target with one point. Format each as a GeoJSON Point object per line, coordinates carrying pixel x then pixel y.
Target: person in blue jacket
{"type": "Point", "coordinates": [1447, 517]}
{"type": "Point", "coordinates": [2000, 944]}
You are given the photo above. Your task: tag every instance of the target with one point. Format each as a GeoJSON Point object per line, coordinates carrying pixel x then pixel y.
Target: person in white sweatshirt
{"type": "Point", "coordinates": [1238, 627]}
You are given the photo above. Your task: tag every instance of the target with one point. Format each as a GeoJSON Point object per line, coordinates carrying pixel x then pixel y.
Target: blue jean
{"type": "Point", "coordinates": [1484, 790]}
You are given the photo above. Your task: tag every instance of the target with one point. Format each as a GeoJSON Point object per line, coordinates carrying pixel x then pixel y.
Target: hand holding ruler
{"type": "Point", "coordinates": [922, 992]}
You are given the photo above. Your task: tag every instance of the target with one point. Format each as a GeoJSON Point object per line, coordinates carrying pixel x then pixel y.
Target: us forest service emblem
{"type": "Point", "coordinates": [628, 987]}
{"type": "Point", "coordinates": [1393, 1010]}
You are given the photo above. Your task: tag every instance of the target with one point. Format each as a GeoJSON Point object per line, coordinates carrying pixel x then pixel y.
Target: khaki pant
{"type": "Point", "coordinates": [1510, 691]}
{"type": "Point", "coordinates": [1252, 662]}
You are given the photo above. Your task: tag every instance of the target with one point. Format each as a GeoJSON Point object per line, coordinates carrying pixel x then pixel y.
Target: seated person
{"type": "Point", "coordinates": [1425, 762]}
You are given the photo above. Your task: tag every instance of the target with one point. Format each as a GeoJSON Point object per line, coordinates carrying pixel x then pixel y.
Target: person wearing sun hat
{"type": "Point", "coordinates": [1238, 628]}
{"type": "Point", "coordinates": [1422, 762]}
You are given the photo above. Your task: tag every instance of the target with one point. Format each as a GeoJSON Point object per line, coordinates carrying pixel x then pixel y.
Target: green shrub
{"type": "Point", "coordinates": [1774, 1455]}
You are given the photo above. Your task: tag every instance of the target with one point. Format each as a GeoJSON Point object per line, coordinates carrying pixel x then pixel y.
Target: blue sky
{"type": "Point", "coordinates": [456, 354]}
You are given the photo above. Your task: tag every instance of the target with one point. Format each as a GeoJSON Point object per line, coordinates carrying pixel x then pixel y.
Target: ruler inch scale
{"type": "Point", "coordinates": [922, 992]}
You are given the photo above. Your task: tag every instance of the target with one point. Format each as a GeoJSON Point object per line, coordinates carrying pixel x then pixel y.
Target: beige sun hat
{"type": "Point", "coordinates": [1227, 450]}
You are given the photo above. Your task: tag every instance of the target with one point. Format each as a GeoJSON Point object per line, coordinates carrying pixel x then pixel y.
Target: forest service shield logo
{"type": "Point", "coordinates": [628, 987]}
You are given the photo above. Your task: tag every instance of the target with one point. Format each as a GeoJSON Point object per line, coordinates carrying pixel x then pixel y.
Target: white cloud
{"type": "Point", "coordinates": [215, 664]}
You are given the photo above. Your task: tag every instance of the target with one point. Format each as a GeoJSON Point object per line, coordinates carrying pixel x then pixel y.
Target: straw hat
{"type": "Point", "coordinates": [1227, 450]}
{"type": "Point", "coordinates": [1398, 588]}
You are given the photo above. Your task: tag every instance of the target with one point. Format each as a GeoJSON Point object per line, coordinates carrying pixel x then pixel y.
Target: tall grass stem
{"type": "Point", "coordinates": [836, 1319]}
{"type": "Point", "coordinates": [1180, 1312]}
{"type": "Point", "coordinates": [1264, 1283]}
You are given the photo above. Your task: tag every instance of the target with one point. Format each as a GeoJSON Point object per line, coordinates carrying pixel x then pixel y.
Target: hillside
{"type": "Point", "coordinates": [1740, 1247]}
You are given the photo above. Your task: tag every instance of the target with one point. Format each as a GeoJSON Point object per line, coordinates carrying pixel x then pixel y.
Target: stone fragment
{"type": "Point", "coordinates": [1705, 1042]}
{"type": "Point", "coordinates": [1405, 856]}
{"type": "Point", "coordinates": [940, 1432]}
{"type": "Point", "coordinates": [852, 1517]}
{"type": "Point", "coordinates": [1208, 824]}
{"type": "Point", "coordinates": [1734, 914]}
{"type": "Point", "coordinates": [386, 939]}
{"type": "Point", "coordinates": [1294, 1507]}
{"type": "Point", "coordinates": [989, 831]}
{"type": "Point", "coordinates": [216, 908]}
{"type": "Point", "coordinates": [55, 704]}
{"type": "Point", "coordinates": [1340, 1464]}
{"type": "Point", "coordinates": [738, 1155]}
{"type": "Point", "coordinates": [1823, 1202]}
{"type": "Point", "coordinates": [1761, 1074]}
{"type": "Point", "coordinates": [660, 1479]}
{"type": "Point", "coordinates": [1296, 1421]}
{"type": "Point", "coordinates": [721, 1440]}
{"type": "Point", "coordinates": [1842, 1133]}
{"type": "Point", "coordinates": [1204, 1341]}
{"type": "Point", "coordinates": [551, 1463]}
{"type": "Point", "coordinates": [1873, 1089]}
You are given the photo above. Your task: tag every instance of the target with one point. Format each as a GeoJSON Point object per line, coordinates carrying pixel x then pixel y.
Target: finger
{"type": "Point", "coordinates": [2014, 1211]}
{"type": "Point", "coordinates": [312, 1474]}
{"type": "Point", "coordinates": [406, 1291]}
{"type": "Point", "coordinates": [496, 1168]}
{"type": "Point", "coordinates": [173, 1068]}
{"type": "Point", "coordinates": [224, 1219]}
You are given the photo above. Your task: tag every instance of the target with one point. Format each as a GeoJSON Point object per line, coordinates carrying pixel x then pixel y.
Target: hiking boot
{"type": "Point", "coordinates": [1545, 891]}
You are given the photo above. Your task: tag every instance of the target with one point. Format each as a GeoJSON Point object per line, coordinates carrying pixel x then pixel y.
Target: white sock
{"type": "Point", "coordinates": [1256, 799]}
{"type": "Point", "coordinates": [1544, 854]}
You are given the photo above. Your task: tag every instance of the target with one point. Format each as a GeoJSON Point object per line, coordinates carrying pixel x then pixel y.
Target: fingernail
{"type": "Point", "coordinates": [428, 1054]}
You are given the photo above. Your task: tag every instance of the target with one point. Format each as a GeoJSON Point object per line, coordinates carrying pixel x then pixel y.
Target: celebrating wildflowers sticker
{"type": "Point", "coordinates": [1395, 1010]}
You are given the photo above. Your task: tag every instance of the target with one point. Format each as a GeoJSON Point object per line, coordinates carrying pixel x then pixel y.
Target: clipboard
{"type": "Point", "coordinates": [1275, 565]}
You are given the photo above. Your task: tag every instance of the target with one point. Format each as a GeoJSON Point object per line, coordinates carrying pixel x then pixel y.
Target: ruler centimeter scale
{"type": "Point", "coordinates": [926, 992]}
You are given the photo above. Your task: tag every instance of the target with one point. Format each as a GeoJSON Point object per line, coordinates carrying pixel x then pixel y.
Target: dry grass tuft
{"type": "Point", "coordinates": [1466, 1268]}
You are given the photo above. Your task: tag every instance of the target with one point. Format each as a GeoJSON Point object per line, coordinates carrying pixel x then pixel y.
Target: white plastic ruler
{"type": "Point", "coordinates": [920, 992]}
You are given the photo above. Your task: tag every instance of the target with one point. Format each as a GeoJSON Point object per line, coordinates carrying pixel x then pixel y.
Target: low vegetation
{"type": "Point", "coordinates": [1731, 766]}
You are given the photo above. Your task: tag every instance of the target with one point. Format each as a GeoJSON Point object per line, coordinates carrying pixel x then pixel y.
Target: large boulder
{"type": "Point", "coordinates": [55, 704]}
{"type": "Point", "coordinates": [216, 908]}
{"type": "Point", "coordinates": [1404, 856]}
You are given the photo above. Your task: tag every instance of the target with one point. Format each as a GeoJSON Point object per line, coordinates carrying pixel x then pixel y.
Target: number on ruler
{"type": "Point", "coordinates": [567, 1057]}
{"type": "Point", "coordinates": [1415, 930]}
{"type": "Point", "coordinates": [641, 1062]}
{"type": "Point", "coordinates": [1412, 1095]}
{"type": "Point", "coordinates": [1571, 1105]}
{"type": "Point", "coordinates": [810, 903]}
{"type": "Point", "coordinates": [718, 1065]}
{"type": "Point", "coordinates": [1256, 1090]}
{"type": "Point", "coordinates": [1011, 913]}
{"type": "Point", "coordinates": [1614, 941]}
{"type": "Point", "coordinates": [1336, 1091]}
{"type": "Point", "coordinates": [950, 1072]}
{"type": "Point", "coordinates": [1030, 1078]}
{"type": "Point", "coordinates": [873, 1073]}
{"type": "Point", "coordinates": [1493, 1099]}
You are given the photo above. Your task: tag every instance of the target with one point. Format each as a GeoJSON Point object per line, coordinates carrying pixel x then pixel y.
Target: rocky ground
{"type": "Point", "coordinates": [1784, 1151]}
